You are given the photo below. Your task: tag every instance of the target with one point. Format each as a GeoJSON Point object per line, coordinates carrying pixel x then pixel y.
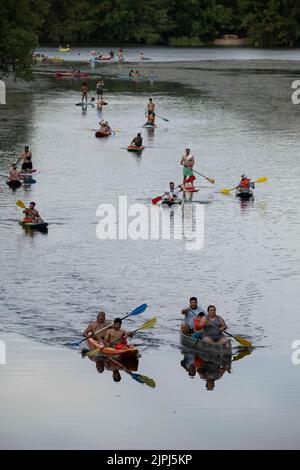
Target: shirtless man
{"type": "Point", "coordinates": [14, 174]}
{"type": "Point", "coordinates": [188, 163]}
{"type": "Point", "coordinates": [138, 140]}
{"type": "Point", "coordinates": [150, 107]}
{"type": "Point", "coordinates": [84, 92]}
{"type": "Point", "coordinates": [116, 336]}
{"type": "Point", "coordinates": [32, 215]}
{"type": "Point", "coordinates": [26, 158]}
{"type": "Point", "coordinates": [95, 338]}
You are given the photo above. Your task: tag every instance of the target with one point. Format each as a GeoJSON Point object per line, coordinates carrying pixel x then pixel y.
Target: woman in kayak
{"type": "Point", "coordinates": [84, 92]}
{"type": "Point", "coordinates": [214, 327]}
{"type": "Point", "coordinates": [26, 158]}
{"type": "Point", "coordinates": [32, 215]}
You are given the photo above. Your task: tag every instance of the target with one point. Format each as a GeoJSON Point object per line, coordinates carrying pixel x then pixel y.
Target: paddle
{"type": "Point", "coordinates": [136, 311]}
{"type": "Point", "coordinates": [159, 198]}
{"type": "Point", "coordinates": [211, 180]}
{"type": "Point", "coordinates": [167, 120]}
{"type": "Point", "coordinates": [244, 342]}
{"type": "Point", "coordinates": [143, 379]}
{"type": "Point", "coordinates": [148, 324]}
{"type": "Point", "coordinates": [227, 191]}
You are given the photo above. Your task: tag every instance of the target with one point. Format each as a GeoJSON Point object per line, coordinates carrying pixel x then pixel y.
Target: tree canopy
{"type": "Point", "coordinates": [25, 23]}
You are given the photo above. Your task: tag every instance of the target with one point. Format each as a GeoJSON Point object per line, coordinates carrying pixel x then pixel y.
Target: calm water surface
{"type": "Point", "coordinates": [53, 284]}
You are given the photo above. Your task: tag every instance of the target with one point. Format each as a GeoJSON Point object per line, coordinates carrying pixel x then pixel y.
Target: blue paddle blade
{"type": "Point", "coordinates": [137, 377]}
{"type": "Point", "coordinates": [139, 310]}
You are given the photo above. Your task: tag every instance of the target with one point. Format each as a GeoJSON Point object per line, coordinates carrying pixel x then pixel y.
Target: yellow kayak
{"type": "Point", "coordinates": [64, 49]}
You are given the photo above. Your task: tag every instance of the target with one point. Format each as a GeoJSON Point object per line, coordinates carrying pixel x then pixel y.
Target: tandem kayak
{"type": "Point", "coordinates": [100, 134]}
{"type": "Point", "coordinates": [244, 193]}
{"type": "Point", "coordinates": [132, 351]}
{"type": "Point", "coordinates": [199, 345]}
{"type": "Point", "coordinates": [34, 226]}
{"type": "Point", "coordinates": [173, 202]}
{"type": "Point", "coordinates": [135, 148]}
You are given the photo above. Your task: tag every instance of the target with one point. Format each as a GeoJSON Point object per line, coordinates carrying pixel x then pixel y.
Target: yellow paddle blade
{"type": "Point", "coordinates": [241, 354]}
{"type": "Point", "coordinates": [261, 180]}
{"type": "Point", "coordinates": [148, 324]}
{"type": "Point", "coordinates": [225, 191]}
{"type": "Point", "coordinates": [243, 341]}
{"type": "Point", "coordinates": [20, 204]}
{"type": "Point", "coordinates": [148, 381]}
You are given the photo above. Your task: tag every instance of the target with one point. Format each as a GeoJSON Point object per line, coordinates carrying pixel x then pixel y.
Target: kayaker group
{"type": "Point", "coordinates": [201, 324]}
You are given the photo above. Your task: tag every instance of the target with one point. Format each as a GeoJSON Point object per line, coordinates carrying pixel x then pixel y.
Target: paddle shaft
{"type": "Point", "coordinates": [203, 176]}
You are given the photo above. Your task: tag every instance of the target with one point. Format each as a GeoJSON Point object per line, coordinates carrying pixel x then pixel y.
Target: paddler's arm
{"type": "Point", "coordinates": [185, 311]}
{"type": "Point", "coordinates": [223, 325]}
{"type": "Point", "coordinates": [88, 332]}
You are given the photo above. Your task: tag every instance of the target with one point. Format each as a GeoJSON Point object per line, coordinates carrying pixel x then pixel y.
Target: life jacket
{"type": "Point", "coordinates": [27, 219]}
{"type": "Point", "coordinates": [245, 183]}
{"type": "Point", "coordinates": [197, 326]}
{"type": "Point", "coordinates": [122, 344]}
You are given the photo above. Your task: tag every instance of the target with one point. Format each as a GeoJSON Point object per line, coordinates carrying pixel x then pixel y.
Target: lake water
{"type": "Point", "coordinates": [53, 284]}
{"type": "Point", "coordinates": [169, 54]}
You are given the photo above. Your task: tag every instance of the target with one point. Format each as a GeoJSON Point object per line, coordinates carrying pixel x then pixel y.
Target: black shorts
{"type": "Point", "coordinates": [27, 166]}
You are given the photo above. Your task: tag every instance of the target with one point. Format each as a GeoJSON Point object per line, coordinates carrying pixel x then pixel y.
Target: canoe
{"type": "Point", "coordinates": [33, 226]}
{"type": "Point", "coordinates": [199, 345]}
{"type": "Point", "coordinates": [244, 193]}
{"type": "Point", "coordinates": [175, 202]}
{"type": "Point", "coordinates": [134, 148]}
{"type": "Point", "coordinates": [100, 134]}
{"type": "Point", "coordinates": [14, 184]}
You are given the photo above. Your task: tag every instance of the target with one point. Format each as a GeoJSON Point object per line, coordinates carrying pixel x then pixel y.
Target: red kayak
{"type": "Point", "coordinates": [100, 134]}
{"type": "Point", "coordinates": [71, 75]}
{"type": "Point", "coordinates": [135, 148]}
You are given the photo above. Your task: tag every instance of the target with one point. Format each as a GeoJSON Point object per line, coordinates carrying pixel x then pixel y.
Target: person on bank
{"type": "Point", "coordinates": [187, 325]}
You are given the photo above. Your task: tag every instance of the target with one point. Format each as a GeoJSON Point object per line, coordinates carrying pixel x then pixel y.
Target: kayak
{"type": "Point", "coordinates": [34, 226]}
{"type": "Point", "coordinates": [132, 351]}
{"type": "Point", "coordinates": [14, 184]}
{"type": "Point", "coordinates": [134, 148]}
{"type": "Point", "coordinates": [244, 193]}
{"type": "Point", "coordinates": [171, 203]}
{"type": "Point", "coordinates": [150, 126]}
{"type": "Point", "coordinates": [100, 134]}
{"type": "Point", "coordinates": [71, 75]}
{"type": "Point", "coordinates": [199, 345]}
{"type": "Point", "coordinates": [64, 49]}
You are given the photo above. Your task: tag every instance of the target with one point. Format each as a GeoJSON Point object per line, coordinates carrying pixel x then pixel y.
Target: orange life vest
{"type": "Point", "coordinates": [197, 326]}
{"type": "Point", "coordinates": [245, 183]}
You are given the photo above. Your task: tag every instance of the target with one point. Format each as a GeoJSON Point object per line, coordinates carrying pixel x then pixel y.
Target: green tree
{"type": "Point", "coordinates": [20, 24]}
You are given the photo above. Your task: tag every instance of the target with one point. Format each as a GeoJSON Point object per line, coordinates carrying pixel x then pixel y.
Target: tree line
{"type": "Point", "coordinates": [26, 23]}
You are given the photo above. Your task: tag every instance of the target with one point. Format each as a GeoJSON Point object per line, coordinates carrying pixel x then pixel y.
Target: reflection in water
{"type": "Point", "coordinates": [210, 367]}
{"type": "Point", "coordinates": [128, 365]}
